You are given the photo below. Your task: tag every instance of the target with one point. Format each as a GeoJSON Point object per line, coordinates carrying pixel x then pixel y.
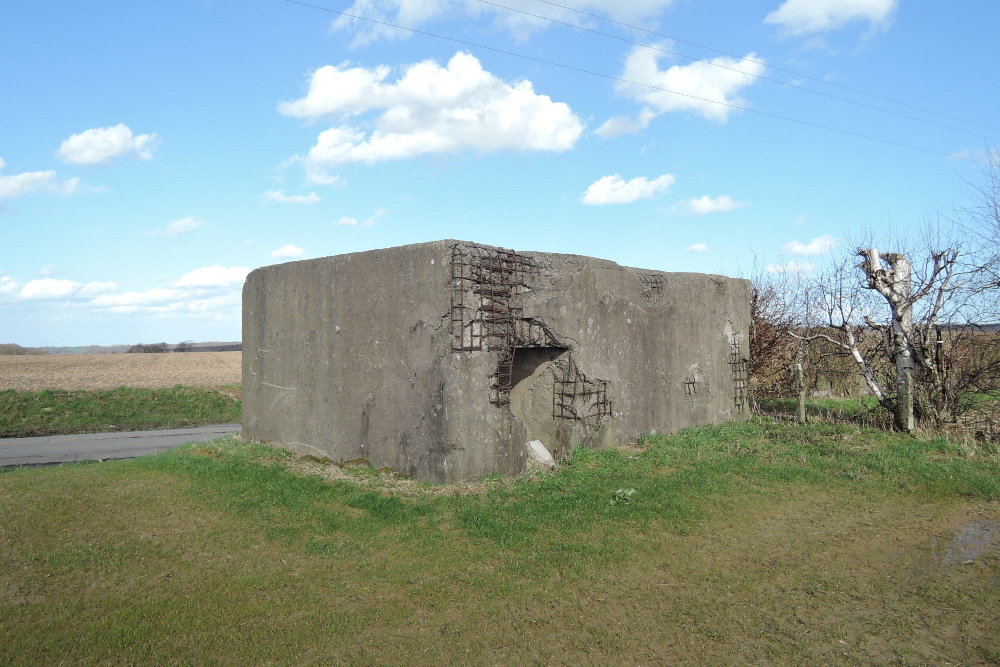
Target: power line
{"type": "Point", "coordinates": [780, 69]}
{"type": "Point", "coordinates": [726, 67]}
{"type": "Point", "coordinates": [634, 83]}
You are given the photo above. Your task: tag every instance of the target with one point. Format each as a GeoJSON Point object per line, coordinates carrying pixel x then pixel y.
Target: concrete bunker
{"type": "Point", "coordinates": [443, 360]}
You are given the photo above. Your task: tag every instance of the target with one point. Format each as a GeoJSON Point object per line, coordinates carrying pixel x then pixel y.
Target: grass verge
{"type": "Point", "coordinates": [827, 544]}
{"type": "Point", "coordinates": [60, 412]}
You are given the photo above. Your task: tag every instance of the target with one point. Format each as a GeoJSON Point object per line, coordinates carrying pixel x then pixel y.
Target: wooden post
{"type": "Point", "coordinates": [800, 401]}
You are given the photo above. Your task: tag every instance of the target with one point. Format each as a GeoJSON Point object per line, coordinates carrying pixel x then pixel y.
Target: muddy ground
{"type": "Point", "coordinates": [107, 371]}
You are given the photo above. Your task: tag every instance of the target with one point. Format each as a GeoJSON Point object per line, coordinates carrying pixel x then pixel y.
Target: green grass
{"type": "Point", "coordinates": [849, 408]}
{"type": "Point", "coordinates": [57, 412]}
{"type": "Point", "coordinates": [740, 543]}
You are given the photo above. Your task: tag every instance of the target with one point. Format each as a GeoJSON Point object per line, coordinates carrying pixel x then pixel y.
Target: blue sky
{"type": "Point", "coordinates": [151, 154]}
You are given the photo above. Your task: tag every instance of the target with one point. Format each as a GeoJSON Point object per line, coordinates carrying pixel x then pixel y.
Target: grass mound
{"type": "Point", "coordinates": [740, 543]}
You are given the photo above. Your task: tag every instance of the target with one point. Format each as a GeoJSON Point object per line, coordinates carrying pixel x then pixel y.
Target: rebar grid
{"type": "Point", "coordinates": [741, 377]}
{"type": "Point", "coordinates": [490, 317]}
{"type": "Point", "coordinates": [575, 396]}
{"type": "Point", "coordinates": [651, 280]}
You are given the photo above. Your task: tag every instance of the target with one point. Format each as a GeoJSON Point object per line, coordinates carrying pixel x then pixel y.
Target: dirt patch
{"type": "Point", "coordinates": [107, 371]}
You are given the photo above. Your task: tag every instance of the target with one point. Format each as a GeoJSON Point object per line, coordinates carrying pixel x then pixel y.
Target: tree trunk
{"type": "Point", "coordinates": [896, 284]}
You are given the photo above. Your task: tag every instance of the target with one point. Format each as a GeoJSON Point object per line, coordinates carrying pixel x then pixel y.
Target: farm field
{"type": "Point", "coordinates": [107, 371]}
{"type": "Point", "coordinates": [66, 394]}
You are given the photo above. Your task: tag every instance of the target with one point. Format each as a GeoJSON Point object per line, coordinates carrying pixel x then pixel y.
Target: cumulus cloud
{"type": "Point", "coordinates": [279, 197]}
{"type": "Point", "coordinates": [9, 286]}
{"type": "Point", "coordinates": [818, 246]}
{"type": "Point", "coordinates": [801, 17]}
{"type": "Point", "coordinates": [706, 89]}
{"type": "Point", "coordinates": [706, 204]}
{"type": "Point", "coordinates": [619, 125]}
{"type": "Point", "coordinates": [791, 267]}
{"type": "Point", "coordinates": [616, 190]}
{"type": "Point", "coordinates": [209, 292]}
{"type": "Point", "coordinates": [353, 222]}
{"type": "Point", "coordinates": [97, 287]}
{"type": "Point", "coordinates": [178, 227]}
{"type": "Point", "coordinates": [48, 288]}
{"type": "Point", "coordinates": [698, 247]}
{"type": "Point", "coordinates": [214, 276]}
{"type": "Point", "coordinates": [428, 109]}
{"type": "Point", "coordinates": [30, 182]}
{"type": "Point", "coordinates": [102, 144]}
{"type": "Point", "coordinates": [287, 252]}
{"type": "Point", "coordinates": [412, 13]}
{"type": "Point", "coordinates": [151, 297]}
{"type": "Point", "coordinates": [166, 302]}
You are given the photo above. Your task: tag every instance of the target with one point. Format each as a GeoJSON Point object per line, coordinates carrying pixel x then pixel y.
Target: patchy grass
{"type": "Point", "coordinates": [739, 543]}
{"type": "Point", "coordinates": [863, 408]}
{"type": "Point", "coordinates": [58, 412]}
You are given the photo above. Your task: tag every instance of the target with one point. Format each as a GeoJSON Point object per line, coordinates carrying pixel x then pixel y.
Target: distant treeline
{"type": "Point", "coordinates": [15, 349]}
{"type": "Point", "coordinates": [186, 346]}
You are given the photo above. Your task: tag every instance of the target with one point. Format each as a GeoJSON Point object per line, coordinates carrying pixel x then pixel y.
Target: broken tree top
{"type": "Point", "coordinates": [443, 360]}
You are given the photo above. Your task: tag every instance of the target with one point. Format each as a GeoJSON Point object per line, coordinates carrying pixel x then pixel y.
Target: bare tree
{"type": "Point", "coordinates": [919, 322]}
{"type": "Point", "coordinates": [770, 323]}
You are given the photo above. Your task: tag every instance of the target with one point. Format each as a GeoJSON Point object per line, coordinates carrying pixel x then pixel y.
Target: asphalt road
{"type": "Point", "coordinates": [100, 446]}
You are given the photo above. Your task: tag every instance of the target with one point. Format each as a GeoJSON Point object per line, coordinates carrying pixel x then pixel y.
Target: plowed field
{"type": "Point", "coordinates": [107, 371]}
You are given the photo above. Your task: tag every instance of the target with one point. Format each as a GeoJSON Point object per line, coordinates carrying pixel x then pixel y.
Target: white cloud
{"type": "Point", "coordinates": [319, 176]}
{"type": "Point", "coordinates": [818, 246]}
{"type": "Point", "coordinates": [92, 288]}
{"type": "Point", "coordinates": [791, 267]}
{"type": "Point", "coordinates": [214, 276]}
{"type": "Point", "coordinates": [167, 302]}
{"type": "Point", "coordinates": [46, 270]}
{"type": "Point", "coordinates": [977, 154]}
{"type": "Point", "coordinates": [151, 297]}
{"type": "Point", "coordinates": [2, 163]}
{"type": "Point", "coordinates": [800, 17]}
{"type": "Point", "coordinates": [698, 247]}
{"type": "Point", "coordinates": [428, 109]}
{"type": "Point", "coordinates": [413, 13]}
{"type": "Point", "coordinates": [48, 288]}
{"type": "Point", "coordinates": [102, 144]}
{"type": "Point", "coordinates": [705, 204]}
{"type": "Point", "coordinates": [29, 182]}
{"type": "Point", "coordinates": [619, 125]}
{"type": "Point", "coordinates": [288, 251]}
{"type": "Point", "coordinates": [616, 190]}
{"type": "Point", "coordinates": [701, 87]}
{"type": "Point", "coordinates": [279, 197]}
{"type": "Point", "coordinates": [178, 227]}
{"type": "Point", "coordinates": [353, 222]}
{"type": "Point", "coordinates": [9, 286]}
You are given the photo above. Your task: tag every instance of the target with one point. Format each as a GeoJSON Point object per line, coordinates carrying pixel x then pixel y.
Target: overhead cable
{"type": "Point", "coordinates": [780, 69]}
{"type": "Point", "coordinates": [730, 68]}
{"type": "Point", "coordinates": [634, 83]}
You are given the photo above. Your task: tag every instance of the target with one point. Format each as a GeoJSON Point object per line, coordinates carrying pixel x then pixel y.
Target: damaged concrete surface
{"type": "Point", "coordinates": [443, 360]}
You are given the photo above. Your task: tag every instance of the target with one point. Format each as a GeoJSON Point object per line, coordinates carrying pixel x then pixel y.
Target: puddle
{"type": "Point", "coordinates": [975, 539]}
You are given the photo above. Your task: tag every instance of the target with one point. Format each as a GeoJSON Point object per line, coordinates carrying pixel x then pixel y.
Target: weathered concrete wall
{"type": "Point", "coordinates": [441, 360]}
